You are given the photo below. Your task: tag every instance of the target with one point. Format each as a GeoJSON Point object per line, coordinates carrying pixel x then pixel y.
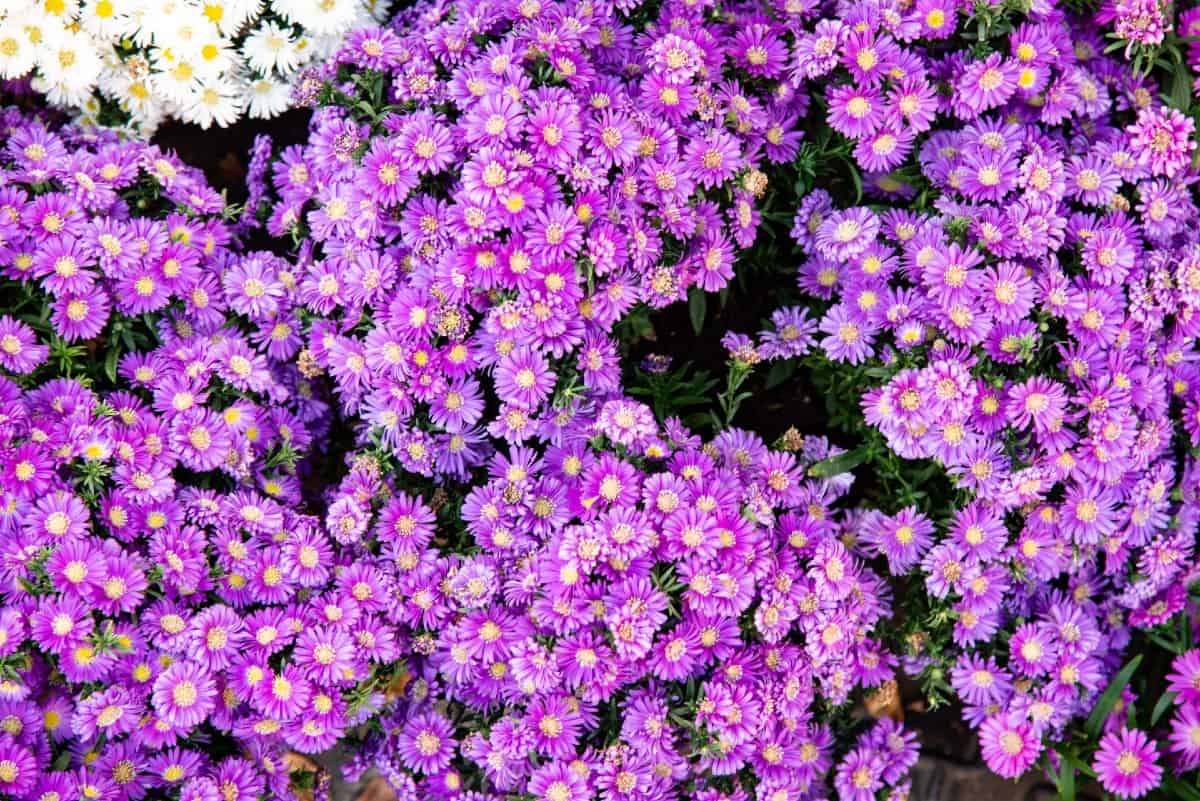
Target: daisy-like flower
{"type": "Point", "coordinates": [184, 695]}
{"type": "Point", "coordinates": [524, 377]}
{"type": "Point", "coordinates": [19, 769]}
{"type": "Point", "coordinates": [845, 234]}
{"type": "Point", "coordinates": [20, 351]}
{"type": "Point", "coordinates": [855, 111]}
{"type": "Point", "coordinates": [1009, 745]}
{"type": "Point", "coordinates": [1162, 140]}
{"type": "Point", "coordinates": [985, 84]}
{"type": "Point", "coordinates": [426, 743]}
{"type": "Point", "coordinates": [1184, 678]}
{"type": "Point", "coordinates": [1185, 737]}
{"type": "Point", "coordinates": [849, 338]}
{"type": "Point", "coordinates": [1126, 763]}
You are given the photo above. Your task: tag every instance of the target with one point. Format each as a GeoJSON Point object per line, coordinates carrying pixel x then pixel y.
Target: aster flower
{"type": "Point", "coordinates": [184, 695]}
{"type": "Point", "coordinates": [1126, 763]}
{"type": "Point", "coordinates": [20, 352]}
{"type": "Point", "coordinates": [1162, 140]}
{"type": "Point", "coordinates": [426, 743]}
{"type": "Point", "coordinates": [1009, 745]}
{"type": "Point", "coordinates": [848, 338]}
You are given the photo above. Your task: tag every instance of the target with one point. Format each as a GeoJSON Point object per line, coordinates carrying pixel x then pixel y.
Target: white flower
{"type": "Point", "coordinates": [128, 83]}
{"type": "Point", "coordinates": [68, 60]}
{"type": "Point", "coordinates": [16, 51]}
{"type": "Point", "coordinates": [319, 16]}
{"type": "Point", "coordinates": [268, 98]}
{"type": "Point", "coordinates": [185, 29]}
{"type": "Point", "coordinates": [230, 15]}
{"type": "Point", "coordinates": [64, 10]}
{"type": "Point", "coordinates": [173, 78]}
{"type": "Point", "coordinates": [206, 61]}
{"type": "Point", "coordinates": [146, 19]}
{"type": "Point", "coordinates": [271, 47]}
{"type": "Point", "coordinates": [107, 19]}
{"type": "Point", "coordinates": [212, 54]}
{"type": "Point", "coordinates": [219, 100]}
{"type": "Point", "coordinates": [376, 10]}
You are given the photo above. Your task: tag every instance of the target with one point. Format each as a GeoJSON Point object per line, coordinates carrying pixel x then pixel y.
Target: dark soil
{"type": "Point", "coordinates": [224, 153]}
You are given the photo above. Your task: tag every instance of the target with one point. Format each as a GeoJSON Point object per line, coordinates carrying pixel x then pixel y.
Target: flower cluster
{"type": "Point", "coordinates": [504, 575]}
{"type": "Point", "coordinates": [170, 621]}
{"type": "Point", "coordinates": [618, 626]}
{"type": "Point", "coordinates": [138, 62]}
{"type": "Point", "coordinates": [1029, 328]}
{"type": "Point", "coordinates": [476, 233]}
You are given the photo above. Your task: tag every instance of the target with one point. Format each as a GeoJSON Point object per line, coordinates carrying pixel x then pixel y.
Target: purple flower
{"type": "Point", "coordinates": [184, 695]}
{"type": "Point", "coordinates": [524, 377]}
{"type": "Point", "coordinates": [1162, 140]}
{"type": "Point", "coordinates": [20, 351]}
{"type": "Point", "coordinates": [426, 744]}
{"type": "Point", "coordinates": [1009, 745]}
{"type": "Point", "coordinates": [1126, 763]}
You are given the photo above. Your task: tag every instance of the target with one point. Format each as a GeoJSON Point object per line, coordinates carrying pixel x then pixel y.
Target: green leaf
{"type": "Point", "coordinates": [1108, 699]}
{"type": "Point", "coordinates": [1181, 88]}
{"type": "Point", "coordinates": [110, 364]}
{"type": "Point", "coordinates": [1161, 707]}
{"type": "Point", "coordinates": [697, 308]}
{"type": "Point", "coordinates": [857, 179]}
{"type": "Point", "coordinates": [1065, 781]}
{"type": "Point", "coordinates": [1181, 789]}
{"type": "Point", "coordinates": [780, 372]}
{"type": "Point", "coordinates": [836, 465]}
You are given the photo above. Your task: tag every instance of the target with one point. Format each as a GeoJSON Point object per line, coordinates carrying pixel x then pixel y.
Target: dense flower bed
{"type": "Point", "coordinates": [474, 227]}
{"type": "Point", "coordinates": [169, 610]}
{"type": "Point", "coordinates": [1017, 309]}
{"type": "Point", "coordinates": [385, 458]}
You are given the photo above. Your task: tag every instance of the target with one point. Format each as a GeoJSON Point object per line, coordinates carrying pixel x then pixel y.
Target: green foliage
{"type": "Point", "coordinates": [680, 392]}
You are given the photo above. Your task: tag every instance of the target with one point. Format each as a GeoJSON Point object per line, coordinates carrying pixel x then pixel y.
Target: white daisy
{"type": "Point", "coordinates": [69, 61]}
{"type": "Point", "coordinates": [144, 16]}
{"type": "Point", "coordinates": [172, 77]}
{"type": "Point", "coordinates": [268, 98]}
{"type": "Point", "coordinates": [65, 10]}
{"type": "Point", "coordinates": [319, 16]}
{"type": "Point", "coordinates": [377, 10]}
{"type": "Point", "coordinates": [212, 54]}
{"type": "Point", "coordinates": [107, 20]}
{"type": "Point", "coordinates": [16, 51]}
{"type": "Point", "coordinates": [128, 84]}
{"type": "Point", "coordinates": [217, 101]}
{"type": "Point", "coordinates": [186, 28]}
{"type": "Point", "coordinates": [270, 47]}
{"type": "Point", "coordinates": [230, 15]}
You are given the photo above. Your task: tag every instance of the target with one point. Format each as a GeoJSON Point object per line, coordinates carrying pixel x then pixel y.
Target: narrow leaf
{"type": "Point", "coordinates": [1108, 699]}
{"type": "Point", "coordinates": [780, 372]}
{"type": "Point", "coordinates": [110, 365]}
{"type": "Point", "coordinates": [1066, 780]}
{"type": "Point", "coordinates": [697, 308]}
{"type": "Point", "coordinates": [1161, 707]}
{"type": "Point", "coordinates": [836, 465]}
{"type": "Point", "coordinates": [1181, 789]}
{"type": "Point", "coordinates": [1181, 88]}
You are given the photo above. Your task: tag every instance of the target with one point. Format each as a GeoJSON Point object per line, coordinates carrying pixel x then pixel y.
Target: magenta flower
{"type": "Point", "coordinates": [1126, 763]}
{"type": "Point", "coordinates": [1162, 140]}
{"type": "Point", "coordinates": [20, 352]}
{"type": "Point", "coordinates": [1009, 745]}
